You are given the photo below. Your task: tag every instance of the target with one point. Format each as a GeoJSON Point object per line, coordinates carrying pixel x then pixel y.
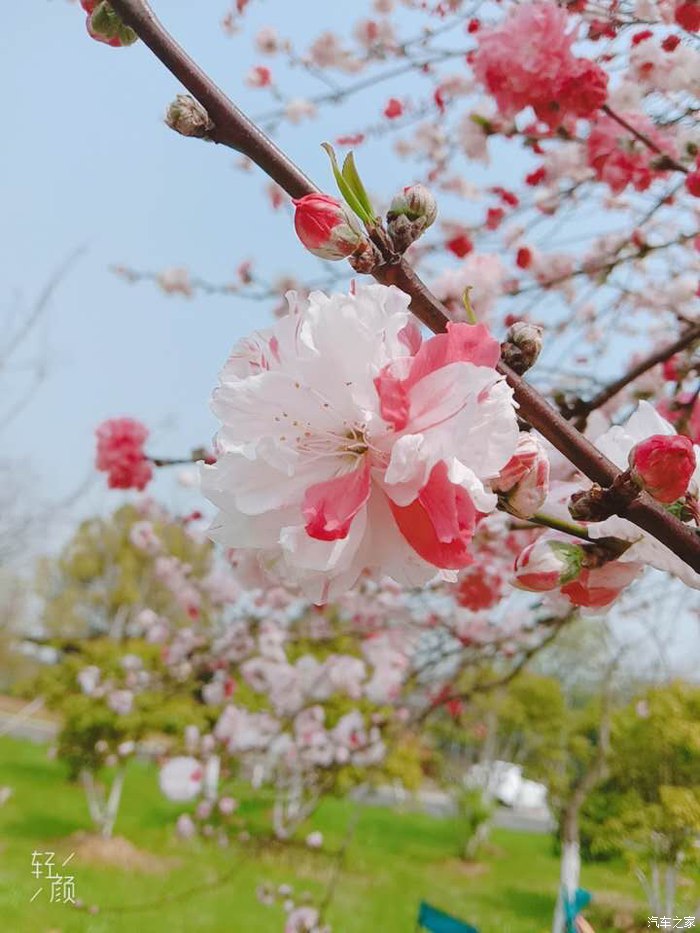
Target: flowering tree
{"type": "Point", "coordinates": [651, 808]}
{"type": "Point", "coordinates": [118, 602]}
{"type": "Point", "coordinates": [351, 443]}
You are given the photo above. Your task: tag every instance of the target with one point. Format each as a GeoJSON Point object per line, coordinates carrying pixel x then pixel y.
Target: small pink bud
{"type": "Point", "coordinates": [663, 465]}
{"type": "Point", "coordinates": [523, 483]}
{"type": "Point", "coordinates": [546, 565]}
{"type": "Point", "coordinates": [326, 227]}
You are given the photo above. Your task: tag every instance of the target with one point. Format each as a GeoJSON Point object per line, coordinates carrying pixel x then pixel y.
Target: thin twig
{"type": "Point", "coordinates": [581, 409]}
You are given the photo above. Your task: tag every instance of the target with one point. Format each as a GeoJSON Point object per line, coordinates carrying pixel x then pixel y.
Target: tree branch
{"type": "Point", "coordinates": [580, 409]}
{"type": "Point", "coordinates": [232, 128]}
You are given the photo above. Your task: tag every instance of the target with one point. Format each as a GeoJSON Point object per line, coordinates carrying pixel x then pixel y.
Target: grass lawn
{"type": "Point", "coordinates": [394, 860]}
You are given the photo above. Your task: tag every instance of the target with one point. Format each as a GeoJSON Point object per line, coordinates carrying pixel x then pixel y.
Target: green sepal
{"type": "Point", "coordinates": [573, 556]}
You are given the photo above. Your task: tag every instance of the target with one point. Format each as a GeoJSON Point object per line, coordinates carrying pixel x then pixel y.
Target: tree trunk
{"type": "Point", "coordinates": [570, 869]}
{"type": "Point", "coordinates": [103, 813]}
{"type": "Point", "coordinates": [570, 866]}
{"type": "Point", "coordinates": [670, 892]}
{"type": "Point", "coordinates": [113, 801]}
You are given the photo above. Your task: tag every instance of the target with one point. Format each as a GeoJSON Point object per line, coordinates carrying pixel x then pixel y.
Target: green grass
{"type": "Point", "coordinates": [395, 859]}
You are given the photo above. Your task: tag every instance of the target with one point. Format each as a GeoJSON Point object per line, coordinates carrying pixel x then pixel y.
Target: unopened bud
{"type": "Point", "coordinates": [546, 565]}
{"type": "Point", "coordinates": [523, 483]}
{"type": "Point", "coordinates": [326, 227]}
{"type": "Point", "coordinates": [663, 465]}
{"type": "Point", "coordinates": [522, 346]}
{"type": "Point", "coordinates": [410, 214]}
{"type": "Point", "coordinates": [187, 116]}
{"type": "Point", "coordinates": [104, 25]}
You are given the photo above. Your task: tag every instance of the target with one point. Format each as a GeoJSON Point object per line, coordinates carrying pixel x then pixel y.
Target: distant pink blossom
{"type": "Point", "coordinates": [120, 453]}
{"type": "Point", "coordinates": [527, 61]}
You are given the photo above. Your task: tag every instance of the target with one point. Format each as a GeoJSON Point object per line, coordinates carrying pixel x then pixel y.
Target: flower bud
{"type": "Point", "coordinates": [187, 116]}
{"type": "Point", "coordinates": [663, 465]}
{"type": "Point", "coordinates": [599, 587]}
{"type": "Point", "coordinates": [104, 25]}
{"type": "Point", "coordinates": [326, 227]}
{"type": "Point", "coordinates": [547, 564]}
{"type": "Point", "coordinates": [410, 214]}
{"type": "Point", "coordinates": [522, 346]}
{"type": "Point", "coordinates": [523, 483]}
{"type": "Point", "coordinates": [415, 202]}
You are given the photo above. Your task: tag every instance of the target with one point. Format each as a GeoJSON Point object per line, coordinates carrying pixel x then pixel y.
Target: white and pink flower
{"type": "Point", "coordinates": [348, 443]}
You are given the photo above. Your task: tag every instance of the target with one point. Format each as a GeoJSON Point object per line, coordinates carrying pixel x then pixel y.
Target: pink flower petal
{"type": "Point", "coordinates": [394, 403]}
{"type": "Point", "coordinates": [463, 343]}
{"type": "Point", "coordinates": [439, 524]}
{"type": "Point", "coordinates": [330, 507]}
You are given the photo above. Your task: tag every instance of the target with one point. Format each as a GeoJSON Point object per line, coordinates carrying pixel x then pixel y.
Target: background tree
{"type": "Point", "coordinates": [648, 810]}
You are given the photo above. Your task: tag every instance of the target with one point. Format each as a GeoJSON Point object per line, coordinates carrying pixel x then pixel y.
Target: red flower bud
{"type": "Point", "coordinates": [523, 258]}
{"type": "Point", "coordinates": [692, 183]}
{"type": "Point", "coordinates": [326, 227]}
{"type": "Point", "coordinates": [460, 245]}
{"type": "Point", "coordinates": [393, 109]}
{"type": "Point", "coordinates": [663, 464]}
{"type": "Point", "coordinates": [687, 15]}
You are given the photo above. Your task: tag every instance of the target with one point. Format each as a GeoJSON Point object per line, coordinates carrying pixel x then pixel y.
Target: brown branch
{"type": "Point", "coordinates": [580, 409]}
{"type": "Point", "coordinates": [234, 129]}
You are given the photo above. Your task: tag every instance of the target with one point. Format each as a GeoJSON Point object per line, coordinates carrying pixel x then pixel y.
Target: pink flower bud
{"type": "Point", "coordinates": [524, 481]}
{"type": "Point", "coordinates": [326, 227]}
{"type": "Point", "coordinates": [663, 465]}
{"type": "Point", "coordinates": [547, 564]}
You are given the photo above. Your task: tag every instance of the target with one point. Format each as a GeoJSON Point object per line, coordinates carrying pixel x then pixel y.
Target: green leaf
{"type": "Point", "coordinates": [352, 177]}
{"type": "Point", "coordinates": [344, 187]}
